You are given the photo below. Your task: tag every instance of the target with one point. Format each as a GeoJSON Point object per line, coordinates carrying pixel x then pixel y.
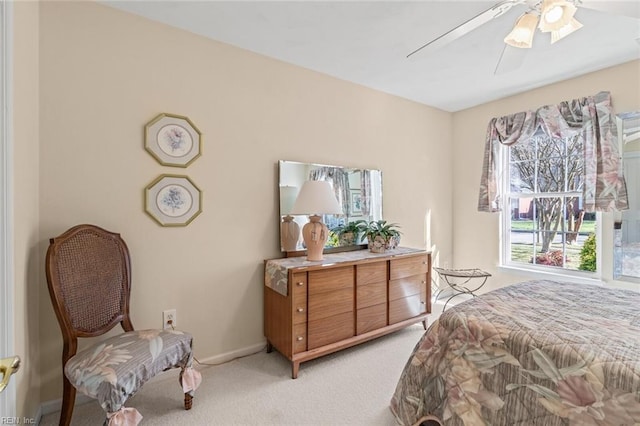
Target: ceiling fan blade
{"type": "Point", "coordinates": [510, 59]}
{"type": "Point", "coordinates": [470, 25]}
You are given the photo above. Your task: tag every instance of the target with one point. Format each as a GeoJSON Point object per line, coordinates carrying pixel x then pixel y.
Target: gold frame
{"type": "Point", "coordinates": [180, 131]}
{"type": "Point", "coordinates": [156, 212]}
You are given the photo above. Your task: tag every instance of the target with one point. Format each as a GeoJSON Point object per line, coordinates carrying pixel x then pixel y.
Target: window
{"type": "Point", "coordinates": [544, 224]}
{"type": "Point", "coordinates": [543, 170]}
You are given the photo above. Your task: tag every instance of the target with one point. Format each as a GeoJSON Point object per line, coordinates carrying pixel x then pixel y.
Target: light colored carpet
{"type": "Point", "coordinates": [350, 387]}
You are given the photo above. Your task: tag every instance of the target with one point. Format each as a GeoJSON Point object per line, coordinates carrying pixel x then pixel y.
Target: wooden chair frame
{"type": "Point", "coordinates": [61, 296]}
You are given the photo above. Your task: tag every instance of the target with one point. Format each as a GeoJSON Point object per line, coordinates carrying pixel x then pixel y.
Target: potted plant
{"type": "Point", "coordinates": [382, 235]}
{"type": "Point", "coordinates": [349, 233]}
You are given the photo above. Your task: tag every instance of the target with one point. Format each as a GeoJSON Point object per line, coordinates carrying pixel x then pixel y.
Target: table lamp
{"type": "Point", "coordinates": [289, 229]}
{"type": "Point", "coordinates": [316, 197]}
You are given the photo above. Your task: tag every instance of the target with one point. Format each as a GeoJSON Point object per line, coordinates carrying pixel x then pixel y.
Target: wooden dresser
{"type": "Point", "coordinates": [315, 308]}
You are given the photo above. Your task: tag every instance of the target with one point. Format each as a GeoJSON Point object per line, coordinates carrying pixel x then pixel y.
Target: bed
{"type": "Point", "coordinates": [534, 353]}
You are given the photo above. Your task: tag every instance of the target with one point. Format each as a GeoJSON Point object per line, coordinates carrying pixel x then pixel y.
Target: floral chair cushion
{"type": "Point", "coordinates": [113, 370]}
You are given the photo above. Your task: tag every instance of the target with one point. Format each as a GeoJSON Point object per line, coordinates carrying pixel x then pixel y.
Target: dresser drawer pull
{"type": "Point", "coordinates": [300, 309]}
{"type": "Point", "coordinates": [300, 284]}
{"type": "Point", "coordinates": [424, 282]}
{"type": "Point", "coordinates": [299, 338]}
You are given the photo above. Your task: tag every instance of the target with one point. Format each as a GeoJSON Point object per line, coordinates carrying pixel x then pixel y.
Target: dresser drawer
{"type": "Point", "coordinates": [323, 305]}
{"type": "Point", "coordinates": [330, 280]}
{"type": "Point", "coordinates": [299, 338]}
{"type": "Point", "coordinates": [408, 286]}
{"type": "Point", "coordinates": [300, 309]}
{"type": "Point", "coordinates": [299, 283]}
{"type": "Point", "coordinates": [405, 308]}
{"type": "Point", "coordinates": [425, 297]}
{"type": "Point", "coordinates": [330, 330]}
{"type": "Point", "coordinates": [371, 272]}
{"type": "Point", "coordinates": [371, 294]}
{"type": "Point", "coordinates": [371, 318]}
{"type": "Point", "coordinates": [299, 298]}
{"type": "Point", "coordinates": [407, 266]}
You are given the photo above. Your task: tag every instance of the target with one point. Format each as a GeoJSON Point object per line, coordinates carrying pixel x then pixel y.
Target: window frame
{"type": "Point", "coordinates": [505, 234]}
{"type": "Point", "coordinates": [8, 401]}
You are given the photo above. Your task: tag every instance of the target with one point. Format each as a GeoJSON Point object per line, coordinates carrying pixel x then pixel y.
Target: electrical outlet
{"type": "Point", "coordinates": [169, 319]}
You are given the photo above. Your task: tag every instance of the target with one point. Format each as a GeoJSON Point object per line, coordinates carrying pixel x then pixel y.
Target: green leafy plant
{"type": "Point", "coordinates": [588, 254]}
{"type": "Point", "coordinates": [333, 240]}
{"type": "Point", "coordinates": [357, 226]}
{"type": "Point", "coordinates": [382, 235]}
{"type": "Point", "coordinates": [350, 233]}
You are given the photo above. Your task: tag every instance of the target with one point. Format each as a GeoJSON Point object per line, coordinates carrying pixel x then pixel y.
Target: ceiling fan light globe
{"type": "Point", "coordinates": [555, 15]}
{"type": "Point", "coordinates": [572, 26]}
{"type": "Point", "coordinates": [522, 34]}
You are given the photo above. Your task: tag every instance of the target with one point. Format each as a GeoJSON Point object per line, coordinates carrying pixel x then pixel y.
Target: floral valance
{"type": "Point", "coordinates": [592, 120]}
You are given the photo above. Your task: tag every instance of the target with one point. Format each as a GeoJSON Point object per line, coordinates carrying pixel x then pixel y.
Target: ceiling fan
{"type": "Point", "coordinates": [552, 16]}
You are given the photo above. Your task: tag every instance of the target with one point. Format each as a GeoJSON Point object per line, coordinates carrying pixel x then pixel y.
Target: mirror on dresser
{"type": "Point", "coordinates": [358, 191]}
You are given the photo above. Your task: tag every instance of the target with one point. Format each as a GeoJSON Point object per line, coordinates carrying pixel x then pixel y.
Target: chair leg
{"type": "Point", "coordinates": [188, 401]}
{"type": "Point", "coordinates": [68, 402]}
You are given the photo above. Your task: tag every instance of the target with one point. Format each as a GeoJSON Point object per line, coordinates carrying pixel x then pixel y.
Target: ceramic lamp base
{"type": "Point", "coordinates": [315, 235]}
{"type": "Point", "coordinates": [289, 234]}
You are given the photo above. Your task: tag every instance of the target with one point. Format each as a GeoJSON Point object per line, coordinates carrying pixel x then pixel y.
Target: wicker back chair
{"type": "Point", "coordinates": [89, 278]}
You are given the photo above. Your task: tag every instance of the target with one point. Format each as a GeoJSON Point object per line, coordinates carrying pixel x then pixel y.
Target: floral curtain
{"type": "Point", "coordinates": [591, 119]}
{"type": "Point", "coordinates": [365, 192]}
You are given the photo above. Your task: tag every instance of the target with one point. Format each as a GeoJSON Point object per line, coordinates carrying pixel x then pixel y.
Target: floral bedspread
{"type": "Point", "coordinates": [534, 353]}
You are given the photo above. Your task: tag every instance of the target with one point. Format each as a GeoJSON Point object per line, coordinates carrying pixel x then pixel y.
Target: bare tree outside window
{"type": "Point", "coordinates": [545, 194]}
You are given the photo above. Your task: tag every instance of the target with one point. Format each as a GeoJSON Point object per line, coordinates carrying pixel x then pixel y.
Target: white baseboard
{"type": "Point", "coordinates": [38, 415]}
{"type": "Point", "coordinates": [52, 406]}
{"type": "Point", "coordinates": [230, 356]}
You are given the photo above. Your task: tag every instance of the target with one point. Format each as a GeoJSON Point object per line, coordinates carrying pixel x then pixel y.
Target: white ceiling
{"type": "Point", "coordinates": [367, 42]}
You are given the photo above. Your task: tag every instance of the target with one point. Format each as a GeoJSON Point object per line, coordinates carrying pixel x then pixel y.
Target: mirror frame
{"type": "Point", "coordinates": [287, 193]}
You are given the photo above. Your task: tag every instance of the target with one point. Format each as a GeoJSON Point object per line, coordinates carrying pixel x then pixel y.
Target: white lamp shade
{"type": "Point", "coordinates": [288, 196]}
{"type": "Point", "coordinates": [572, 26]}
{"type": "Point", "coordinates": [316, 197]}
{"type": "Point", "coordinates": [522, 34]}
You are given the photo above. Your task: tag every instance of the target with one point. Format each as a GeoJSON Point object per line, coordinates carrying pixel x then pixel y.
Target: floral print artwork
{"type": "Point", "coordinates": [113, 370]}
{"type": "Point", "coordinates": [174, 140]}
{"type": "Point", "coordinates": [174, 200]}
{"type": "Point", "coordinates": [536, 353]}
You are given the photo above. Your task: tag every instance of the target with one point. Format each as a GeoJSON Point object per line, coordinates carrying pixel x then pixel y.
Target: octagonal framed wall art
{"type": "Point", "coordinates": [173, 200]}
{"type": "Point", "coordinates": [173, 140]}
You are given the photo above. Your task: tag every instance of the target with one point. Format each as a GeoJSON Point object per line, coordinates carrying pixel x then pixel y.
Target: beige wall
{"type": "Point", "coordinates": [26, 214]}
{"type": "Point", "coordinates": [105, 73]}
{"type": "Point", "coordinates": [476, 235]}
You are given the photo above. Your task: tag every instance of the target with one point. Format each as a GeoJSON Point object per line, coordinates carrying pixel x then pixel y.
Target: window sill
{"type": "Point", "coordinates": [581, 278]}
{"type": "Point", "coordinates": [627, 278]}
